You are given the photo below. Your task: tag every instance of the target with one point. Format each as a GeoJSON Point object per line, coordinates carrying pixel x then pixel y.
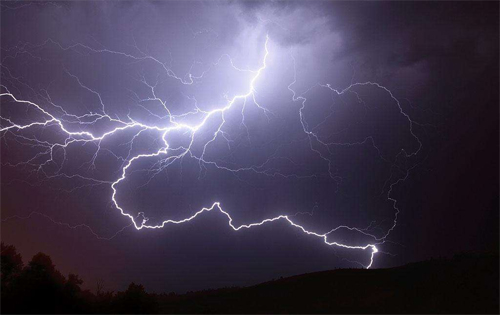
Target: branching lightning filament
{"type": "Point", "coordinates": [170, 153]}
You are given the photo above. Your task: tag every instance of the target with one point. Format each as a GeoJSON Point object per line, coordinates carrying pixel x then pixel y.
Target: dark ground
{"type": "Point", "coordinates": [466, 283]}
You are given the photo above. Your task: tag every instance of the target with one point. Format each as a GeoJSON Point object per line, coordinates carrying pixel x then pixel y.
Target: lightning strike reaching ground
{"type": "Point", "coordinates": [170, 154]}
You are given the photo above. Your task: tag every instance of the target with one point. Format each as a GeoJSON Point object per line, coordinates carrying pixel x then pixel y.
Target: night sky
{"type": "Point", "coordinates": [377, 121]}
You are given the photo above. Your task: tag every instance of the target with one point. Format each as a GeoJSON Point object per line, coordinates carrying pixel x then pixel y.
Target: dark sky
{"type": "Point", "coordinates": [364, 114]}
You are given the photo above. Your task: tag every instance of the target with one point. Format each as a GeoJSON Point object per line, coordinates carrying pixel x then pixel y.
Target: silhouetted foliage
{"type": "Point", "coordinates": [40, 288]}
{"type": "Point", "coordinates": [12, 263]}
{"type": "Point", "coordinates": [467, 283]}
{"type": "Point", "coordinates": [135, 300]}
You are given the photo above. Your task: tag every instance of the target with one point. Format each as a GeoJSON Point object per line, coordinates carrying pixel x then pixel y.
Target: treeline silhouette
{"type": "Point", "coordinates": [467, 283]}
{"type": "Point", "coordinates": [39, 287]}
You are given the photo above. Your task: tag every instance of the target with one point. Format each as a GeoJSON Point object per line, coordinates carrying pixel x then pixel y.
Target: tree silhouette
{"type": "Point", "coordinates": [38, 287]}
{"type": "Point", "coordinates": [467, 283]}
{"type": "Point", "coordinates": [135, 300]}
{"type": "Point", "coordinates": [12, 263]}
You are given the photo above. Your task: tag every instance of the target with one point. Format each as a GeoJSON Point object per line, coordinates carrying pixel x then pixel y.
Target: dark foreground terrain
{"type": "Point", "coordinates": [466, 283]}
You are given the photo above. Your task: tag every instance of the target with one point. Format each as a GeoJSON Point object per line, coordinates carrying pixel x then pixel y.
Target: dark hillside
{"type": "Point", "coordinates": [467, 283]}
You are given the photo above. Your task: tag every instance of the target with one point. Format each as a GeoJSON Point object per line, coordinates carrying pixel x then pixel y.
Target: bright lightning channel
{"type": "Point", "coordinates": [141, 221]}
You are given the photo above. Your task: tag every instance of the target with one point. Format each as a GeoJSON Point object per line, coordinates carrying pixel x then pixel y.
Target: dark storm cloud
{"type": "Point", "coordinates": [391, 41]}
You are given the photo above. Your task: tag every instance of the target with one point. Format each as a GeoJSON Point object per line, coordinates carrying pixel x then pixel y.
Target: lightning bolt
{"type": "Point", "coordinates": [168, 153]}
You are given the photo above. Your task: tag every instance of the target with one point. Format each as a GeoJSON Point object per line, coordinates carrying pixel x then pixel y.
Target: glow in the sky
{"type": "Point", "coordinates": [170, 154]}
